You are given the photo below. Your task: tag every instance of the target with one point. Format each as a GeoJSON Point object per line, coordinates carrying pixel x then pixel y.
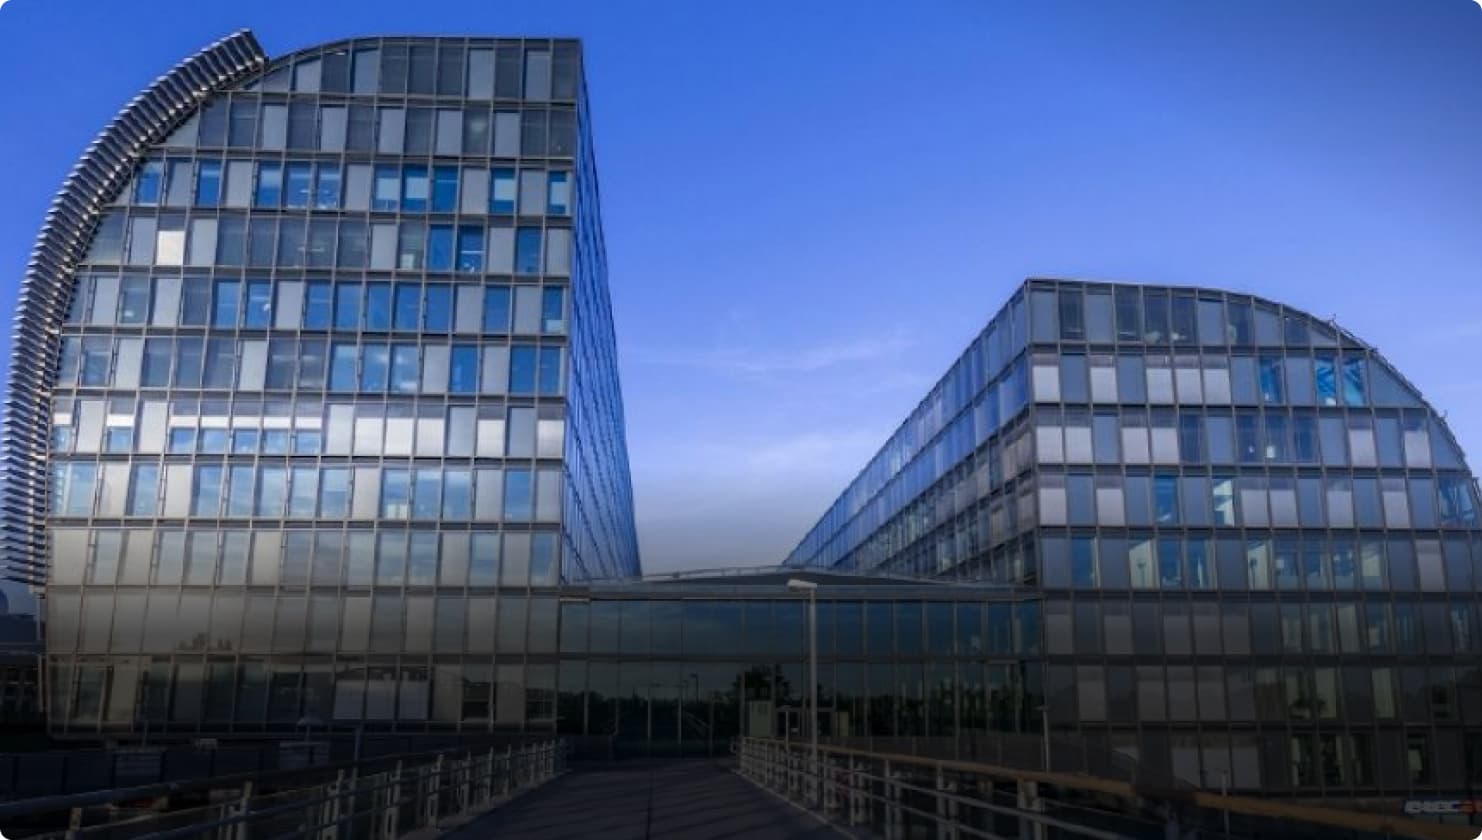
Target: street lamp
{"type": "Point", "coordinates": [799, 585]}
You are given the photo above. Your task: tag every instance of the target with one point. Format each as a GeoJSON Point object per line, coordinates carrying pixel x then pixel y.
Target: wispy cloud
{"type": "Point", "coordinates": [751, 361]}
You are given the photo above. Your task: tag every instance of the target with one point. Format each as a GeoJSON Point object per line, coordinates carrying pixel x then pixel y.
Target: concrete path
{"type": "Point", "coordinates": [678, 800]}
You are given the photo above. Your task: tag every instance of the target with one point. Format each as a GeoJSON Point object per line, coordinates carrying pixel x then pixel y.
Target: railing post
{"type": "Point", "coordinates": [391, 816]}
{"type": "Point", "coordinates": [238, 831]}
{"type": "Point", "coordinates": [856, 793]}
{"type": "Point", "coordinates": [432, 792]}
{"type": "Point", "coordinates": [329, 812]}
{"type": "Point", "coordinates": [1029, 801]}
{"type": "Point", "coordinates": [465, 783]}
{"type": "Point", "coordinates": [486, 784]}
{"type": "Point", "coordinates": [894, 826]}
{"type": "Point", "coordinates": [74, 822]}
{"type": "Point", "coordinates": [509, 769]}
{"type": "Point", "coordinates": [946, 807]}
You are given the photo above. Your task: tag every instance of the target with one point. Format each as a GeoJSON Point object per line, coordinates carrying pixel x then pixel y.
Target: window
{"type": "Point", "coordinates": [440, 248]}
{"type": "Point", "coordinates": [317, 305]}
{"type": "Point", "coordinates": [148, 182]}
{"type": "Point", "coordinates": [522, 371]}
{"type": "Point", "coordinates": [558, 193]}
{"type": "Point", "coordinates": [388, 189]}
{"type": "Point", "coordinates": [415, 189]}
{"type": "Point", "coordinates": [550, 371]}
{"type": "Point", "coordinates": [378, 306]}
{"type": "Point", "coordinates": [225, 312]}
{"type": "Point", "coordinates": [327, 189]}
{"type": "Point", "coordinates": [464, 370]}
{"type": "Point", "coordinates": [208, 183]}
{"type": "Point", "coordinates": [553, 310]}
{"type": "Point", "coordinates": [502, 191]}
{"type": "Point", "coordinates": [258, 311]}
{"type": "Point", "coordinates": [438, 312]}
{"type": "Point", "coordinates": [444, 189]}
{"type": "Point", "coordinates": [496, 309]}
{"type": "Point", "coordinates": [296, 185]}
{"type": "Point", "coordinates": [527, 251]}
{"type": "Point", "coordinates": [269, 185]}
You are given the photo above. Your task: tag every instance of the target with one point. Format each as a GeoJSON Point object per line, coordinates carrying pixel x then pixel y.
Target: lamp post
{"type": "Point", "coordinates": [808, 586]}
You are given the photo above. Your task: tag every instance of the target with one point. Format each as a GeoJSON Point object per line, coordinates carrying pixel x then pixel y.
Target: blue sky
{"type": "Point", "coordinates": [812, 207]}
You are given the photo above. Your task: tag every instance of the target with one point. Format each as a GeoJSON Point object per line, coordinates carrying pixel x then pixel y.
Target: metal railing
{"type": "Point", "coordinates": [899, 796]}
{"type": "Point", "coordinates": [376, 799]}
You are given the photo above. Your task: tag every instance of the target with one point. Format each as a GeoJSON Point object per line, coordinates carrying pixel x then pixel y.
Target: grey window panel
{"type": "Point", "coordinates": [254, 360]}
{"type": "Point", "coordinates": [306, 76]}
{"type": "Point", "coordinates": [126, 365]}
{"type": "Point", "coordinates": [430, 434]}
{"type": "Point", "coordinates": [532, 192]}
{"type": "Point", "coordinates": [170, 246]}
{"type": "Point", "coordinates": [521, 433]}
{"type": "Point", "coordinates": [468, 314]}
{"type": "Point", "coordinates": [185, 135]}
{"type": "Point", "coordinates": [202, 250]}
{"type": "Point", "coordinates": [150, 433]}
{"type": "Point", "coordinates": [400, 432]}
{"type": "Point", "coordinates": [449, 133]}
{"type": "Point", "coordinates": [90, 415]}
{"type": "Point", "coordinates": [274, 126]}
{"type": "Point", "coordinates": [558, 251]}
{"type": "Point", "coordinates": [367, 71]}
{"type": "Point", "coordinates": [69, 550]}
{"type": "Point", "coordinates": [114, 490]}
{"type": "Point", "coordinates": [177, 490]}
{"type": "Point", "coordinates": [461, 425]}
{"type": "Point", "coordinates": [338, 435]}
{"type": "Point", "coordinates": [480, 74]}
{"type": "Point", "coordinates": [548, 496]}
{"type": "Point", "coordinates": [332, 123]}
{"type": "Point", "coordinates": [538, 76]}
{"type": "Point", "coordinates": [383, 246]}
{"type": "Point", "coordinates": [506, 134]}
{"type": "Point", "coordinates": [181, 184]}
{"type": "Point", "coordinates": [501, 251]}
{"type": "Point", "coordinates": [392, 130]}
{"type": "Point", "coordinates": [527, 310]}
{"type": "Point", "coordinates": [238, 183]}
{"type": "Point", "coordinates": [435, 369]}
{"type": "Point", "coordinates": [141, 241]}
{"type": "Point", "coordinates": [105, 300]}
{"type": "Point", "coordinates": [474, 192]}
{"type": "Point", "coordinates": [290, 304]}
{"type": "Point", "coordinates": [495, 375]}
{"type": "Point", "coordinates": [366, 491]}
{"type": "Point", "coordinates": [358, 180]}
{"type": "Point", "coordinates": [488, 495]}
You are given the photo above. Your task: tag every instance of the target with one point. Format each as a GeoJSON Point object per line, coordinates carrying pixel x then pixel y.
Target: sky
{"type": "Point", "coordinates": [812, 207]}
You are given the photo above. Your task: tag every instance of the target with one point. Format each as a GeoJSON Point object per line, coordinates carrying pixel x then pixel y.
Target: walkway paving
{"type": "Point", "coordinates": [679, 800]}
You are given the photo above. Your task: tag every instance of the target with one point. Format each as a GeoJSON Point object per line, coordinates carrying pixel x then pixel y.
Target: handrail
{"type": "Point", "coordinates": [1379, 824]}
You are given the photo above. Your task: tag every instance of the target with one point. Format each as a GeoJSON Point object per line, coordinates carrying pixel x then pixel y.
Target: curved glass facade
{"type": "Point", "coordinates": [336, 405]}
{"type": "Point", "coordinates": [1258, 547]}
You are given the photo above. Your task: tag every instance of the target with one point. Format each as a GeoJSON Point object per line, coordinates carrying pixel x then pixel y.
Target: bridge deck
{"type": "Point", "coordinates": [692, 800]}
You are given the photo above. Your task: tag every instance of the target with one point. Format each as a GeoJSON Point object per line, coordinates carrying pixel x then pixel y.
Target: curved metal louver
{"type": "Point", "coordinates": [102, 171]}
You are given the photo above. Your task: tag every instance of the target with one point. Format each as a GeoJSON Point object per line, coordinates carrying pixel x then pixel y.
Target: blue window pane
{"type": "Point", "coordinates": [1327, 381]}
{"type": "Point", "coordinates": [269, 185]}
{"type": "Point", "coordinates": [463, 370]}
{"type": "Point", "coordinates": [445, 189]}
{"type": "Point", "coordinates": [553, 310]}
{"type": "Point", "coordinates": [378, 306]}
{"type": "Point", "coordinates": [414, 189]}
{"type": "Point", "coordinates": [208, 183]}
{"type": "Point", "coordinates": [404, 369]}
{"type": "Point", "coordinates": [440, 248]}
{"type": "Point", "coordinates": [388, 188]}
{"type": "Point", "coordinates": [522, 370]}
{"type": "Point", "coordinates": [147, 185]}
{"type": "Point", "coordinates": [396, 494]}
{"type": "Point", "coordinates": [544, 569]}
{"type": "Point", "coordinates": [374, 367]}
{"type": "Point", "coordinates": [212, 442]}
{"type": "Point", "coordinates": [1353, 382]}
{"type": "Point", "coordinates": [275, 442]}
{"type": "Point", "coordinates": [317, 305]}
{"type": "Point", "coordinates": [496, 309]}
{"type": "Point", "coordinates": [502, 191]}
{"type": "Point", "coordinates": [1271, 390]}
{"type": "Point", "coordinates": [327, 189]}
{"type": "Point", "coordinates": [470, 249]}
{"type": "Point", "coordinates": [342, 368]}
{"type": "Point", "coordinates": [182, 441]}
{"type": "Point", "coordinates": [259, 311]}
{"type": "Point", "coordinates": [408, 306]}
{"type": "Point", "coordinates": [225, 311]}
{"type": "Point", "coordinates": [1165, 499]}
{"type": "Point", "coordinates": [517, 486]}
{"type": "Point", "coordinates": [437, 315]}
{"type": "Point", "coordinates": [347, 306]}
{"type": "Point", "coordinates": [309, 441]}
{"type": "Point", "coordinates": [527, 251]}
{"type": "Point", "coordinates": [206, 495]}
{"type": "Point", "coordinates": [550, 370]}
{"type": "Point", "coordinates": [457, 498]}
{"type": "Point", "coordinates": [297, 185]}
{"type": "Point", "coordinates": [558, 194]}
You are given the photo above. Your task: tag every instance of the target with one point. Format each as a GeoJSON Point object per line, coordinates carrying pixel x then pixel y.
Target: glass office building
{"type": "Point", "coordinates": [1257, 546]}
{"type": "Point", "coordinates": [314, 399]}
